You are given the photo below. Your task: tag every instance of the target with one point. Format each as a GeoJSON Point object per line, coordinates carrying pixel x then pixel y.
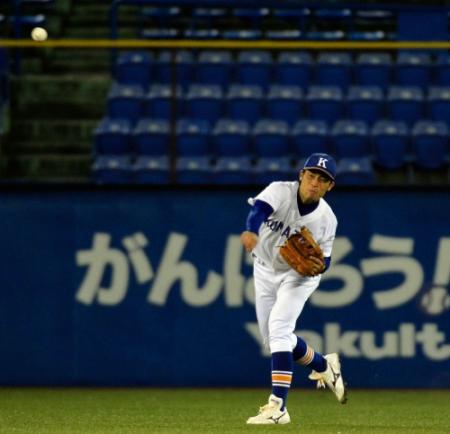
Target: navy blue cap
{"type": "Point", "coordinates": [323, 162]}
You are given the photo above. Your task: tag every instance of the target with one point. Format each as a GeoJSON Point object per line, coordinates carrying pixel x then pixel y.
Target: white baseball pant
{"type": "Point", "coordinates": [279, 301]}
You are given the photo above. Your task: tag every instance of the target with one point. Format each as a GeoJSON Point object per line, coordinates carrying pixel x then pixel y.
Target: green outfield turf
{"type": "Point", "coordinates": [198, 411]}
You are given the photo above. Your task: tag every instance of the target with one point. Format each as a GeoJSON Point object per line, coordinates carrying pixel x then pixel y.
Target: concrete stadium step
{"type": "Point", "coordinates": [66, 132]}
{"type": "Point", "coordinates": [66, 96]}
{"type": "Point", "coordinates": [49, 166]}
{"type": "Point", "coordinates": [47, 146]}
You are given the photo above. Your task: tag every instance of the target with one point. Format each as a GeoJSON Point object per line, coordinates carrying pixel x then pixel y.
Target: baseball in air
{"type": "Point", "coordinates": [39, 34]}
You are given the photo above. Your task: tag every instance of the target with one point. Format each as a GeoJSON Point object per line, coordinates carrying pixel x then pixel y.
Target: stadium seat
{"type": "Point", "coordinates": [294, 68]}
{"type": "Point", "coordinates": [285, 103]}
{"type": "Point", "coordinates": [242, 34]}
{"type": "Point", "coordinates": [251, 16]}
{"type": "Point", "coordinates": [244, 103]}
{"type": "Point", "coordinates": [202, 34]}
{"type": "Point", "coordinates": [439, 104]}
{"type": "Point", "coordinates": [162, 103]}
{"type": "Point", "coordinates": [162, 16]}
{"type": "Point", "coordinates": [113, 137]}
{"type": "Point", "coordinates": [365, 103]}
{"type": "Point", "coordinates": [355, 171]}
{"type": "Point", "coordinates": [207, 17]}
{"type": "Point", "coordinates": [270, 138]}
{"type": "Point", "coordinates": [325, 103]}
{"type": "Point", "coordinates": [334, 69]}
{"type": "Point", "coordinates": [350, 139]}
{"type": "Point", "coordinates": [430, 144]}
{"type": "Point", "coordinates": [405, 104]}
{"type": "Point", "coordinates": [413, 69]}
{"type": "Point", "coordinates": [152, 170]}
{"type": "Point", "coordinates": [367, 36]}
{"type": "Point", "coordinates": [325, 35]}
{"type": "Point", "coordinates": [159, 33]}
{"type": "Point", "coordinates": [267, 170]}
{"type": "Point", "coordinates": [442, 69]}
{"type": "Point", "coordinates": [135, 67]}
{"type": "Point", "coordinates": [298, 17]}
{"type": "Point", "coordinates": [194, 170]}
{"type": "Point", "coordinates": [214, 67]}
{"type": "Point", "coordinates": [231, 138]}
{"type": "Point", "coordinates": [176, 66]}
{"type": "Point", "coordinates": [373, 69]}
{"type": "Point", "coordinates": [159, 103]}
{"type": "Point", "coordinates": [193, 137]}
{"type": "Point", "coordinates": [283, 35]}
{"type": "Point", "coordinates": [390, 141]}
{"type": "Point", "coordinates": [308, 137]}
{"type": "Point", "coordinates": [204, 102]}
{"type": "Point", "coordinates": [112, 169]}
{"type": "Point", "coordinates": [152, 137]}
{"type": "Point", "coordinates": [125, 102]}
{"type": "Point", "coordinates": [254, 68]}
{"type": "Point", "coordinates": [233, 170]}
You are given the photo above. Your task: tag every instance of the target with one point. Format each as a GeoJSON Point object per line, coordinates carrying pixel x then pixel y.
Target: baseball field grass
{"type": "Point", "coordinates": [208, 411]}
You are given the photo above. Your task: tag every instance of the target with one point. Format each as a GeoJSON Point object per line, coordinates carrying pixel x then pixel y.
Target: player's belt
{"type": "Point", "coordinates": [259, 261]}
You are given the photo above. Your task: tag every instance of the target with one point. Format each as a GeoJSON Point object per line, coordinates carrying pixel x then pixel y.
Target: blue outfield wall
{"type": "Point", "coordinates": [153, 288]}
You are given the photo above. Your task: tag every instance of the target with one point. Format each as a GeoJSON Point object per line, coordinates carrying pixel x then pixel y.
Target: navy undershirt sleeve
{"type": "Point", "coordinates": [259, 212]}
{"type": "Point", "coordinates": [327, 263]}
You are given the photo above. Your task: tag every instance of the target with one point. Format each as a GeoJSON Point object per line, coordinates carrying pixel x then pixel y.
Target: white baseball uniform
{"type": "Point", "coordinates": [280, 292]}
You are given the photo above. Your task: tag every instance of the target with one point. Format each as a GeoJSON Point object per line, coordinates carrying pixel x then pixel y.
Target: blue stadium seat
{"type": "Point", "coordinates": [152, 170]}
{"type": "Point", "coordinates": [439, 104]}
{"type": "Point", "coordinates": [430, 144]}
{"type": "Point", "coordinates": [442, 69]}
{"type": "Point", "coordinates": [194, 170]}
{"type": "Point", "coordinates": [267, 170]}
{"type": "Point", "coordinates": [135, 67]}
{"type": "Point", "coordinates": [125, 102]}
{"type": "Point", "coordinates": [390, 141]}
{"type": "Point", "coordinates": [367, 36]}
{"type": "Point", "coordinates": [325, 35]}
{"type": "Point", "coordinates": [159, 33]}
{"type": "Point", "coordinates": [373, 69]}
{"type": "Point", "coordinates": [297, 17]}
{"type": "Point", "coordinates": [334, 69]}
{"type": "Point", "coordinates": [206, 17]}
{"type": "Point", "coordinates": [160, 15]}
{"type": "Point", "coordinates": [413, 69]}
{"type": "Point", "coordinates": [244, 103]}
{"type": "Point", "coordinates": [242, 34]}
{"type": "Point", "coordinates": [283, 35]}
{"type": "Point", "coordinates": [325, 103]}
{"type": "Point", "coordinates": [365, 103]}
{"type": "Point", "coordinates": [152, 137]}
{"type": "Point", "coordinates": [405, 104]}
{"type": "Point", "coordinates": [254, 68]}
{"type": "Point", "coordinates": [159, 103]}
{"type": "Point", "coordinates": [215, 67]}
{"type": "Point", "coordinates": [350, 139]}
{"type": "Point", "coordinates": [112, 169]}
{"type": "Point", "coordinates": [294, 68]}
{"type": "Point", "coordinates": [270, 138]}
{"type": "Point", "coordinates": [204, 102]}
{"type": "Point", "coordinates": [233, 170]}
{"type": "Point", "coordinates": [112, 136]}
{"type": "Point", "coordinates": [193, 137]}
{"type": "Point", "coordinates": [252, 16]}
{"type": "Point", "coordinates": [231, 138]}
{"type": "Point", "coordinates": [202, 34]}
{"type": "Point", "coordinates": [308, 137]}
{"type": "Point", "coordinates": [285, 103]}
{"type": "Point", "coordinates": [355, 171]}
{"type": "Point", "coordinates": [166, 71]}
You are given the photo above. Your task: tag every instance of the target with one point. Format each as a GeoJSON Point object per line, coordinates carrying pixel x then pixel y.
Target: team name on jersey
{"type": "Point", "coordinates": [277, 225]}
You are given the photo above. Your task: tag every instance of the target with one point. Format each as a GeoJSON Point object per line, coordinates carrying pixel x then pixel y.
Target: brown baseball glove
{"type": "Point", "coordinates": [303, 254]}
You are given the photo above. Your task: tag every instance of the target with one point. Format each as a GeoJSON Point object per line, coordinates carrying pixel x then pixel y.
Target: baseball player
{"type": "Point", "coordinates": [280, 210]}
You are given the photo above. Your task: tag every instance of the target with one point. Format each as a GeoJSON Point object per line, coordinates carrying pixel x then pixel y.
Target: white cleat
{"type": "Point", "coordinates": [271, 413]}
{"type": "Point", "coordinates": [331, 377]}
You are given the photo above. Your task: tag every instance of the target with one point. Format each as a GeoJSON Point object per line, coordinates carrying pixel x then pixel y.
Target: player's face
{"type": "Point", "coordinates": [314, 185]}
